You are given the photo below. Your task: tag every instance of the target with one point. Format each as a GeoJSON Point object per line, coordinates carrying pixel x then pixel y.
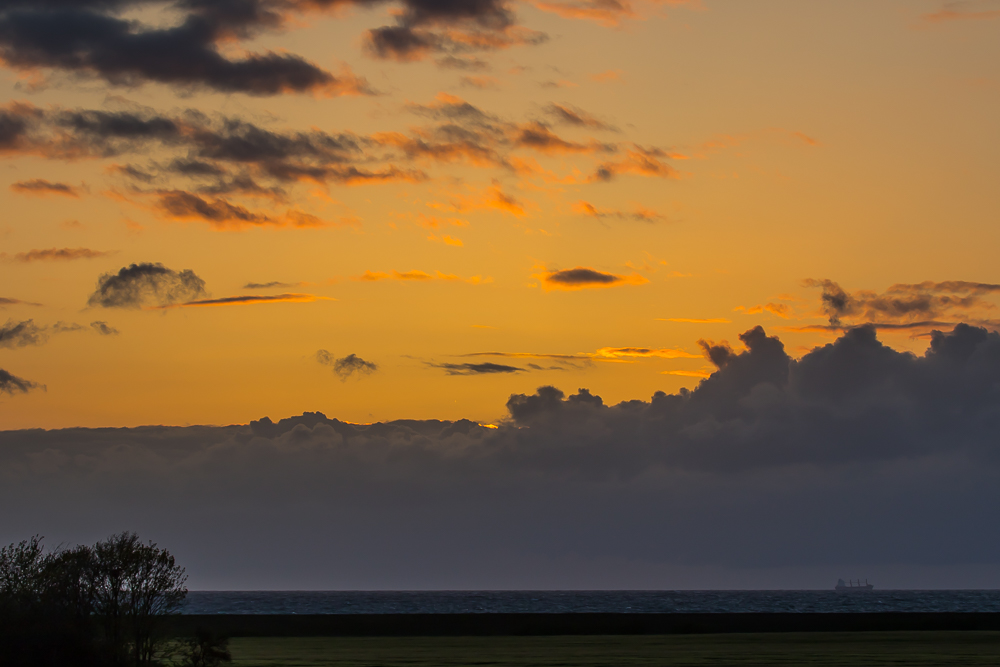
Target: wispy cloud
{"type": "Point", "coordinates": [249, 299]}
{"type": "Point", "coordinates": [419, 276]}
{"type": "Point", "coordinates": [638, 214]}
{"type": "Point", "coordinates": [60, 254]}
{"type": "Point", "coordinates": [694, 320]}
{"type": "Point", "coordinates": [42, 188]}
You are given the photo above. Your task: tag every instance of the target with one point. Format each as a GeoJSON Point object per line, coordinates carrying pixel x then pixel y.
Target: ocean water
{"type": "Point", "coordinates": [486, 602]}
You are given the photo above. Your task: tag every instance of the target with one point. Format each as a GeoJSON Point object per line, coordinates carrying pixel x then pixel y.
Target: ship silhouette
{"type": "Point", "coordinates": [852, 586]}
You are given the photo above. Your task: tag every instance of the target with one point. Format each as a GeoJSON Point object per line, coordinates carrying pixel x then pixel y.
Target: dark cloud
{"type": "Point", "coordinates": [60, 254]}
{"type": "Point", "coordinates": [347, 366]}
{"type": "Point", "coordinates": [486, 368]}
{"type": "Point", "coordinates": [274, 284]}
{"type": "Point", "coordinates": [145, 284]}
{"type": "Point", "coordinates": [67, 327]}
{"type": "Point", "coordinates": [42, 187]}
{"type": "Point", "coordinates": [583, 277]}
{"type": "Point", "coordinates": [903, 305]}
{"type": "Point", "coordinates": [11, 384]}
{"type": "Point", "coordinates": [578, 117]}
{"type": "Point", "coordinates": [22, 334]}
{"type": "Point", "coordinates": [453, 29]}
{"type": "Point", "coordinates": [104, 328]}
{"type": "Point", "coordinates": [90, 39]}
{"type": "Point", "coordinates": [771, 473]}
{"type": "Point", "coordinates": [247, 299]}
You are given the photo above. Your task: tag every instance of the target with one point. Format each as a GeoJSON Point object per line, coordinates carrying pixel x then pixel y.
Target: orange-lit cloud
{"type": "Point", "coordinates": [640, 352]}
{"type": "Point", "coordinates": [419, 276]}
{"type": "Point", "coordinates": [249, 299]}
{"type": "Point", "coordinates": [806, 138]}
{"type": "Point", "coordinates": [639, 213]}
{"type": "Point", "coordinates": [59, 254]}
{"type": "Point", "coordinates": [961, 11]}
{"type": "Point", "coordinates": [692, 320]}
{"type": "Point", "coordinates": [481, 82]}
{"type": "Point", "coordinates": [583, 278]}
{"type": "Point", "coordinates": [447, 240]}
{"type": "Point", "coordinates": [42, 188]}
{"type": "Point", "coordinates": [692, 374]}
{"type": "Point", "coordinates": [780, 309]}
{"type": "Point", "coordinates": [606, 12]}
{"type": "Point", "coordinates": [607, 75]}
{"type": "Point", "coordinates": [641, 161]}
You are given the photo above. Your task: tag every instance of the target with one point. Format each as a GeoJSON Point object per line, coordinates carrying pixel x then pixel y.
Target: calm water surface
{"type": "Point", "coordinates": [486, 602]}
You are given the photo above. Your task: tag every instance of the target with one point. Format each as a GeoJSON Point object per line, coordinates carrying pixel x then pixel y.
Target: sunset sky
{"type": "Point", "coordinates": [556, 223]}
{"type": "Point", "coordinates": [405, 183]}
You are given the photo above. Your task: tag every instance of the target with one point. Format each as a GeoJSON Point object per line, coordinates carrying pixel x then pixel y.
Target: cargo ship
{"type": "Point", "coordinates": [852, 586]}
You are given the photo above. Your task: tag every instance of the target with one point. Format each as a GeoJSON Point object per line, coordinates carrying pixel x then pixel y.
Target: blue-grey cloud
{"type": "Point", "coordinates": [773, 471]}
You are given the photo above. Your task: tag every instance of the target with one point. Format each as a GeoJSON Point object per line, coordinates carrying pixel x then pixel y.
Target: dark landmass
{"type": "Point", "coordinates": [473, 625]}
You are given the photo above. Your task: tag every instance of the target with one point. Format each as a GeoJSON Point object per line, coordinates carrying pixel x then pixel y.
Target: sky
{"type": "Point", "coordinates": [552, 293]}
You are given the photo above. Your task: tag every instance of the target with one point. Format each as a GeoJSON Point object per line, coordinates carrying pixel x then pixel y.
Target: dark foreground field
{"type": "Point", "coordinates": [859, 649]}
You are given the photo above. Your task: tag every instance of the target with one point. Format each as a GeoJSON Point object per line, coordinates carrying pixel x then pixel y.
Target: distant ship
{"type": "Point", "coordinates": [852, 586]}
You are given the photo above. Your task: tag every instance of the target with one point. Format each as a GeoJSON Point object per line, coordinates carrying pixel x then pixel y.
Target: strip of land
{"type": "Point", "coordinates": [828, 649]}
{"type": "Point", "coordinates": [471, 625]}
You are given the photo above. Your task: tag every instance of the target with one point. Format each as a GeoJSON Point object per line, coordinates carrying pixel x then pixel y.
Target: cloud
{"type": "Point", "coordinates": [274, 284]}
{"type": "Point", "coordinates": [233, 155]}
{"type": "Point", "coordinates": [222, 214]}
{"type": "Point", "coordinates": [487, 368]}
{"type": "Point", "coordinates": [22, 334]}
{"type": "Point", "coordinates": [694, 320]}
{"type": "Point", "coordinates": [917, 305]}
{"type": "Point", "coordinates": [607, 76]}
{"type": "Point", "coordinates": [583, 277]}
{"type": "Point", "coordinates": [104, 328]}
{"type": "Point", "coordinates": [640, 161]}
{"type": "Point", "coordinates": [481, 82]}
{"type": "Point", "coordinates": [688, 373]}
{"type": "Point", "coordinates": [248, 299]}
{"type": "Point", "coordinates": [639, 214]}
{"type": "Point", "coordinates": [961, 11]}
{"type": "Point", "coordinates": [8, 301]}
{"type": "Point", "coordinates": [144, 284]}
{"type": "Point", "coordinates": [347, 366]}
{"type": "Point", "coordinates": [606, 12]}
{"type": "Point", "coordinates": [782, 310]}
{"type": "Point", "coordinates": [92, 40]}
{"type": "Point", "coordinates": [419, 276]}
{"type": "Point", "coordinates": [43, 188]}
{"type": "Point", "coordinates": [663, 353]}
{"type": "Point", "coordinates": [578, 117]}
{"type": "Point", "coordinates": [11, 384]}
{"type": "Point", "coordinates": [771, 473]}
{"type": "Point", "coordinates": [60, 254]}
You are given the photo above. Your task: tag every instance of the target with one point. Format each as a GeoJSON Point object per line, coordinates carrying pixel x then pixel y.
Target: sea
{"type": "Point", "coordinates": [557, 602]}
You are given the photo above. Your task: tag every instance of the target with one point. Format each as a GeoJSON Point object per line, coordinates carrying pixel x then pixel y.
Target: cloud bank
{"type": "Point", "coordinates": [854, 458]}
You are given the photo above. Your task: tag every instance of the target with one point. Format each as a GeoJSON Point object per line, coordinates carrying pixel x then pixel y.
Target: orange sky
{"type": "Point", "coordinates": [568, 193]}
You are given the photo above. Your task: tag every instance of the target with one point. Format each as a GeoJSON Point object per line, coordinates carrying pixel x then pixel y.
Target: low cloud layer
{"type": "Point", "coordinates": [854, 459]}
{"type": "Point", "coordinates": [146, 284]}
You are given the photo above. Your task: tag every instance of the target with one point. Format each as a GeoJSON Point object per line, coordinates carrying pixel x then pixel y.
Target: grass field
{"type": "Point", "coordinates": [863, 649]}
